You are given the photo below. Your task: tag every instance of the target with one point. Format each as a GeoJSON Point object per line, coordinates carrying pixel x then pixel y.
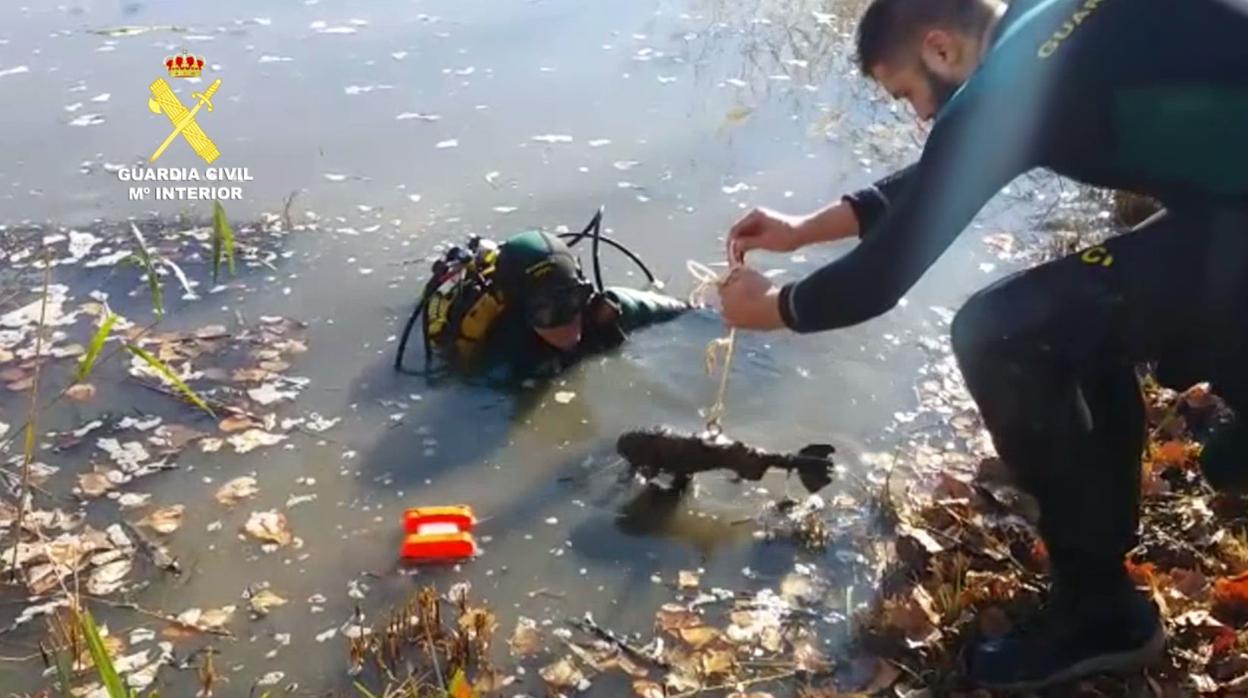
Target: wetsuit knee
{"type": "Point", "coordinates": [979, 328]}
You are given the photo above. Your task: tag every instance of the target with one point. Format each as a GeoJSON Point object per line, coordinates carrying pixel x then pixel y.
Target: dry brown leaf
{"type": "Point", "coordinates": [1191, 583]}
{"type": "Point", "coordinates": [950, 487]}
{"type": "Point", "coordinates": [164, 520]}
{"type": "Point", "coordinates": [905, 615]}
{"type": "Point", "coordinates": [688, 579]}
{"type": "Point", "coordinates": [269, 526]}
{"type": "Point", "coordinates": [716, 662]}
{"type": "Point", "coordinates": [648, 689]}
{"type": "Point", "coordinates": [1230, 598]}
{"type": "Point", "coordinates": [915, 546]}
{"type": "Point", "coordinates": [562, 674]}
{"type": "Point", "coordinates": [699, 636]}
{"type": "Point", "coordinates": [236, 490]}
{"type": "Point", "coordinates": [525, 640]}
{"type": "Point", "coordinates": [80, 392]}
{"type": "Point", "coordinates": [673, 617]}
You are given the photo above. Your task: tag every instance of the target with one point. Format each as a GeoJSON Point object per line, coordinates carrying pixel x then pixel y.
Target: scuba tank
{"type": "Point", "coordinates": [459, 303]}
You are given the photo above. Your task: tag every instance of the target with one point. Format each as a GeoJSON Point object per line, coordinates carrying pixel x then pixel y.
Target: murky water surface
{"type": "Point", "coordinates": [400, 124]}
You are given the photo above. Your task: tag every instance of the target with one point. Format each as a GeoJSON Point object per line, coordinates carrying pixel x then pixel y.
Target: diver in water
{"type": "Point", "coordinates": [525, 310]}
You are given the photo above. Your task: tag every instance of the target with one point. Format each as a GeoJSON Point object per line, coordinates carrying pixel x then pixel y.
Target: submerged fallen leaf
{"type": "Point", "coordinates": [236, 490]}
{"type": "Point", "coordinates": [165, 519]}
{"type": "Point", "coordinates": [699, 636]}
{"type": "Point", "coordinates": [171, 438]}
{"type": "Point", "coordinates": [212, 619]}
{"type": "Point", "coordinates": [253, 439]}
{"type": "Point", "coordinates": [134, 500]}
{"type": "Point", "coordinates": [268, 394]}
{"type": "Point", "coordinates": [525, 640]}
{"type": "Point", "coordinates": [688, 579]}
{"type": "Point", "coordinates": [270, 526]}
{"type": "Point", "coordinates": [263, 601]}
{"type": "Point", "coordinates": [563, 674]}
{"type": "Point", "coordinates": [236, 423]}
{"type": "Point", "coordinates": [94, 484]}
{"type": "Point", "coordinates": [737, 115]}
{"type": "Point", "coordinates": [108, 578]}
{"type": "Point", "coordinates": [80, 392]}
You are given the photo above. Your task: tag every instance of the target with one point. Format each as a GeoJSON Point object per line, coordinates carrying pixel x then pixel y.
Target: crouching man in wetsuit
{"type": "Point", "coordinates": [552, 314]}
{"type": "Point", "coordinates": [1149, 96]}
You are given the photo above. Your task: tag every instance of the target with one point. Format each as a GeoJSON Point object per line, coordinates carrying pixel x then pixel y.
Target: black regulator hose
{"type": "Point", "coordinates": [407, 332]}
{"type": "Point", "coordinates": [595, 227]}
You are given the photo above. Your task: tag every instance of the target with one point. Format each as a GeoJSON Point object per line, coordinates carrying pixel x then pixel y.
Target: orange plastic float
{"type": "Point", "coordinates": [438, 533]}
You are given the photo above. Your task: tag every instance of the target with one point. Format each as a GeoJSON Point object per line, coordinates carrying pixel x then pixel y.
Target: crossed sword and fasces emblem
{"type": "Point", "coordinates": [164, 100]}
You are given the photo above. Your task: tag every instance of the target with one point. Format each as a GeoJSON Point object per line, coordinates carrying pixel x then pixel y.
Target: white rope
{"type": "Point", "coordinates": [708, 280]}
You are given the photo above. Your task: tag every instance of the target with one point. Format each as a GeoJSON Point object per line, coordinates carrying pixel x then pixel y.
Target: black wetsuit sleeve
{"type": "Point", "coordinates": [871, 203]}
{"type": "Point", "coordinates": [985, 136]}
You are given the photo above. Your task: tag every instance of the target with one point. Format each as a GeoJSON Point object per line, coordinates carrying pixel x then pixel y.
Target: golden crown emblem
{"type": "Point", "coordinates": [185, 66]}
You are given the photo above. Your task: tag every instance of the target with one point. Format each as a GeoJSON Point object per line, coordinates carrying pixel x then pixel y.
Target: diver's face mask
{"type": "Point", "coordinates": [559, 305]}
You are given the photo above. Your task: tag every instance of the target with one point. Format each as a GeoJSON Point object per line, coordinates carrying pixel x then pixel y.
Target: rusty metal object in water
{"type": "Point", "coordinates": [658, 450]}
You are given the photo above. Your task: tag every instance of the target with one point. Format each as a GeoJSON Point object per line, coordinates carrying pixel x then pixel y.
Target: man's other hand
{"type": "Point", "coordinates": [750, 301]}
{"type": "Point", "coordinates": [763, 229]}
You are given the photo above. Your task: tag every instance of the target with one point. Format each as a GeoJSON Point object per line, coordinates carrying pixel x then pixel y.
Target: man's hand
{"type": "Point", "coordinates": [750, 301]}
{"type": "Point", "coordinates": [763, 229]}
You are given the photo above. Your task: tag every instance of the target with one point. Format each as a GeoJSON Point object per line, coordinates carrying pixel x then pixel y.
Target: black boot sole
{"type": "Point", "coordinates": [1116, 663]}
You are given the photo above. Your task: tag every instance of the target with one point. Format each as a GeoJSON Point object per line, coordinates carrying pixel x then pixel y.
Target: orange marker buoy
{"type": "Point", "coordinates": [438, 533]}
{"type": "Point", "coordinates": [439, 546]}
{"type": "Point", "coordinates": [460, 516]}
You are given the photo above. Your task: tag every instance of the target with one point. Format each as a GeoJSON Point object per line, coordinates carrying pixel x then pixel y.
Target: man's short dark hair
{"type": "Point", "coordinates": [889, 26]}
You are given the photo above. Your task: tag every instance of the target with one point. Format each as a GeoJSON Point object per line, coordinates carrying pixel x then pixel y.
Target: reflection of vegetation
{"type": "Point", "coordinates": [788, 51]}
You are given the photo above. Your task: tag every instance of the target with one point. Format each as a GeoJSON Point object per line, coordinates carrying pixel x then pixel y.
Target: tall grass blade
{"type": "Point", "coordinates": [93, 350]}
{"type": "Point", "coordinates": [144, 259]}
{"type": "Point", "coordinates": [222, 241]}
{"type": "Point", "coordinates": [169, 375]}
{"type": "Point", "coordinates": [364, 691]}
{"type": "Point", "coordinates": [99, 656]}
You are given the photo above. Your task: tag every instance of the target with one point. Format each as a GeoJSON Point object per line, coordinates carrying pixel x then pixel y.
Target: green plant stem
{"type": "Point", "coordinates": [28, 452]}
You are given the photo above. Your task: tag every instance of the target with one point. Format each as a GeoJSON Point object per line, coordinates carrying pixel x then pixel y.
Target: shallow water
{"type": "Point", "coordinates": [653, 96]}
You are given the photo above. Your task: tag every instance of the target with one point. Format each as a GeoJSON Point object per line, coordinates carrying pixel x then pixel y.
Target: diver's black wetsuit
{"type": "Point", "coordinates": [1144, 95]}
